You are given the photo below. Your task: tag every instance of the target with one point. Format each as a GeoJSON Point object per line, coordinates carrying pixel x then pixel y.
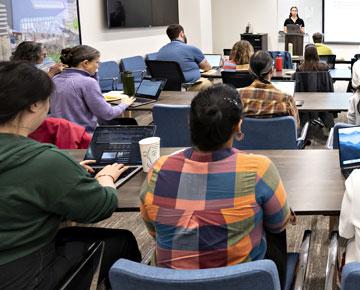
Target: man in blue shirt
{"type": "Point", "coordinates": [189, 57]}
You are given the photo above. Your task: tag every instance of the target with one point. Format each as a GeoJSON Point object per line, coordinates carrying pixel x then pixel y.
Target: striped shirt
{"type": "Point", "coordinates": [209, 210]}
{"type": "Point", "coordinates": [260, 99]}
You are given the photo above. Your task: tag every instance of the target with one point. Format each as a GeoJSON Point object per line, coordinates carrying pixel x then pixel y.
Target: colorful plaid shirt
{"type": "Point", "coordinates": [265, 100]}
{"type": "Point", "coordinates": [209, 210]}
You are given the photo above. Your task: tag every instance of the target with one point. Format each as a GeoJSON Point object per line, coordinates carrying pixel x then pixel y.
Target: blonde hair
{"type": "Point", "coordinates": [241, 52]}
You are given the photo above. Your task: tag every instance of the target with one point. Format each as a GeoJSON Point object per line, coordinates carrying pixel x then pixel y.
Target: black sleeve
{"type": "Point", "coordinates": [286, 21]}
{"type": "Point", "coordinates": [302, 23]}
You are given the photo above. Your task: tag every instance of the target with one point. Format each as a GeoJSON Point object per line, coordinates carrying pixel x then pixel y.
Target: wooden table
{"type": "Point", "coordinates": [312, 179]}
{"type": "Point", "coordinates": [312, 101]}
{"type": "Point", "coordinates": [337, 74]}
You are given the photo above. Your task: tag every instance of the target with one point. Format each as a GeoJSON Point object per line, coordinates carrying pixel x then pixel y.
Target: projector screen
{"type": "Point", "coordinates": [341, 22]}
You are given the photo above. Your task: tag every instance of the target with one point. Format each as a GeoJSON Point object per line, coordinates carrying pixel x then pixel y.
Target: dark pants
{"type": "Point", "coordinates": [277, 252]}
{"type": "Point", "coordinates": [47, 267]}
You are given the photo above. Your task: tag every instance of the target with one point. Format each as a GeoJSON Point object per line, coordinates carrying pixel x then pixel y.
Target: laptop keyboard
{"type": "Point", "coordinates": [123, 175]}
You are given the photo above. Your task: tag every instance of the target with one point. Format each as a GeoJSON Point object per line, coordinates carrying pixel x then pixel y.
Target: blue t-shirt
{"type": "Point", "coordinates": [187, 56]}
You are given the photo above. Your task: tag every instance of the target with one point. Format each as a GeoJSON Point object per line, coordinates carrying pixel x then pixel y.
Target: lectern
{"type": "Point", "coordinates": [297, 39]}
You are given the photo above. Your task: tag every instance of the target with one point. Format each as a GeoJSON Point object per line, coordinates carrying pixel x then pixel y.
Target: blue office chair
{"type": "Point", "coordinates": [257, 275]}
{"type": "Point", "coordinates": [286, 56]}
{"type": "Point", "coordinates": [109, 76]}
{"type": "Point", "coordinates": [333, 139]}
{"type": "Point", "coordinates": [350, 276]}
{"type": "Point", "coordinates": [172, 125]}
{"type": "Point", "coordinates": [271, 133]}
{"type": "Point", "coordinates": [136, 65]}
{"type": "Point", "coordinates": [151, 56]}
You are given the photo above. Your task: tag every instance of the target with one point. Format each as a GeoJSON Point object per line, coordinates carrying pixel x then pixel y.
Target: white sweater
{"type": "Point", "coordinates": [349, 224]}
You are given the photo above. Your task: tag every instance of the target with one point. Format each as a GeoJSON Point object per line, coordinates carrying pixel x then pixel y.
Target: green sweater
{"type": "Point", "coordinates": [40, 187]}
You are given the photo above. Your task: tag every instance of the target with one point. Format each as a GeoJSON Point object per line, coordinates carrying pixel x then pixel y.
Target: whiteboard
{"type": "Point", "coordinates": [309, 10]}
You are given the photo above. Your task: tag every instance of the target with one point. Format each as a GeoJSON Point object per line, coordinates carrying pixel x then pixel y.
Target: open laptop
{"type": "Point", "coordinates": [214, 60]}
{"type": "Point", "coordinates": [289, 88]}
{"type": "Point", "coordinates": [119, 144]}
{"type": "Point", "coordinates": [293, 28]}
{"type": "Point", "coordinates": [349, 149]}
{"type": "Point", "coordinates": [148, 91]}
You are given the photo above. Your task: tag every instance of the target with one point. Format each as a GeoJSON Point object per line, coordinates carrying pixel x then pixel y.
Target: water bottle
{"type": "Point", "coordinates": [290, 48]}
{"type": "Point", "coordinates": [129, 85]}
{"type": "Point", "coordinates": [279, 62]}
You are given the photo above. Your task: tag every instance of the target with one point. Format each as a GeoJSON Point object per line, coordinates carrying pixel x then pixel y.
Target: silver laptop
{"type": "Point", "coordinates": [214, 60]}
{"type": "Point", "coordinates": [118, 144]}
{"type": "Point", "coordinates": [349, 149]}
{"type": "Point", "coordinates": [293, 28]}
{"type": "Point", "coordinates": [287, 87]}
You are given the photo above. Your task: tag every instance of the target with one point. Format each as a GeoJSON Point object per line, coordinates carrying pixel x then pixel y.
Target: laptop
{"type": "Point", "coordinates": [148, 91]}
{"type": "Point", "coordinates": [293, 28]}
{"type": "Point", "coordinates": [120, 144]}
{"type": "Point", "coordinates": [349, 149]}
{"type": "Point", "coordinates": [287, 87]}
{"type": "Point", "coordinates": [214, 60]}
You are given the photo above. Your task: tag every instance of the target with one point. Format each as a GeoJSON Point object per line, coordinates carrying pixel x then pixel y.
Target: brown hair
{"type": "Point", "coordinates": [241, 52]}
{"type": "Point", "coordinates": [173, 31]}
{"type": "Point", "coordinates": [72, 56]}
{"type": "Point", "coordinates": [297, 10]}
{"type": "Point", "coordinates": [311, 60]}
{"type": "Point", "coordinates": [317, 37]}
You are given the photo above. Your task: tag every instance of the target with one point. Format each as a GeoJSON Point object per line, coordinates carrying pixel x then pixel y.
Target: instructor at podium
{"type": "Point", "coordinates": [294, 19]}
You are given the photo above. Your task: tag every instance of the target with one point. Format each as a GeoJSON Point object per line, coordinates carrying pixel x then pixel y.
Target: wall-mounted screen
{"type": "Point", "coordinates": [55, 23]}
{"type": "Point", "coordinates": [141, 13]}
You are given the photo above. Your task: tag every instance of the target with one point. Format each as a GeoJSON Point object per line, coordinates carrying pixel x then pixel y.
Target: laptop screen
{"type": "Point", "coordinates": [150, 88]}
{"type": "Point", "coordinates": [349, 146]}
{"type": "Point", "coordinates": [213, 59]}
{"type": "Point", "coordinates": [119, 144]}
{"type": "Point", "coordinates": [287, 87]}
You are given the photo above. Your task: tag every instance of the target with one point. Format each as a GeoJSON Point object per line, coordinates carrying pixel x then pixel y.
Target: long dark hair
{"type": "Point", "coordinates": [28, 51]}
{"type": "Point", "coordinates": [261, 64]}
{"type": "Point", "coordinates": [22, 85]}
{"type": "Point", "coordinates": [72, 56]}
{"type": "Point", "coordinates": [214, 113]}
{"type": "Point", "coordinates": [311, 59]}
{"type": "Point", "coordinates": [297, 11]}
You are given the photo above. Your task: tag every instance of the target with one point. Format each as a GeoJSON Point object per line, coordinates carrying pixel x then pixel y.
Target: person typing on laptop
{"type": "Point", "coordinates": [41, 187]}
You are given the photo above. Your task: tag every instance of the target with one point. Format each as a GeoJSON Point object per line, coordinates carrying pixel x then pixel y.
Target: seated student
{"type": "Point", "coordinates": [42, 187]}
{"type": "Point", "coordinates": [312, 61]}
{"type": "Point", "coordinates": [209, 205]}
{"type": "Point", "coordinates": [189, 57]}
{"type": "Point", "coordinates": [239, 56]}
{"type": "Point", "coordinates": [261, 98]}
{"type": "Point", "coordinates": [34, 53]}
{"type": "Point", "coordinates": [350, 217]}
{"type": "Point", "coordinates": [77, 95]}
{"type": "Point", "coordinates": [322, 49]}
{"type": "Point", "coordinates": [353, 113]}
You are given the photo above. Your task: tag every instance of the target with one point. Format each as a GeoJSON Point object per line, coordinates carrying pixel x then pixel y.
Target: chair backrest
{"type": "Point", "coordinates": [169, 70]}
{"type": "Point", "coordinates": [268, 133]}
{"type": "Point", "coordinates": [126, 275]}
{"type": "Point", "coordinates": [286, 56]}
{"type": "Point", "coordinates": [135, 64]}
{"type": "Point", "coordinates": [315, 81]}
{"type": "Point", "coordinates": [151, 56]}
{"type": "Point", "coordinates": [62, 133]}
{"type": "Point", "coordinates": [337, 126]}
{"type": "Point", "coordinates": [172, 125]}
{"type": "Point", "coordinates": [85, 274]}
{"type": "Point", "coordinates": [238, 79]}
{"type": "Point", "coordinates": [329, 59]}
{"type": "Point", "coordinates": [109, 76]}
{"type": "Point", "coordinates": [350, 276]}
{"type": "Point", "coordinates": [227, 51]}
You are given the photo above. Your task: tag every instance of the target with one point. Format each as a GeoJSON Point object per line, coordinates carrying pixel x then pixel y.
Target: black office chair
{"type": "Point", "coordinates": [227, 51]}
{"type": "Point", "coordinates": [350, 88]}
{"type": "Point", "coordinates": [237, 79]}
{"type": "Point", "coordinates": [169, 70]}
{"type": "Point", "coordinates": [87, 270]}
{"type": "Point", "coordinates": [329, 59]}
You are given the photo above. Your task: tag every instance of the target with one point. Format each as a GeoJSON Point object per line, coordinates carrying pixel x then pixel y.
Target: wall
{"type": "Point", "coordinates": [115, 44]}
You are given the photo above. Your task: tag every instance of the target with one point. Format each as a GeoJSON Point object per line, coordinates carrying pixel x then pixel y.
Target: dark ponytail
{"type": "Point", "coordinates": [261, 64]}
{"type": "Point", "coordinates": [214, 113]}
{"type": "Point", "coordinates": [72, 56]}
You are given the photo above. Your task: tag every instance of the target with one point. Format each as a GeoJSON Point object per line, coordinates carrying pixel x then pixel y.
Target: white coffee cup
{"type": "Point", "coordinates": [150, 151]}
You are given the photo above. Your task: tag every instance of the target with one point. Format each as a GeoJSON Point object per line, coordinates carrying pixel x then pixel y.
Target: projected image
{"type": "Point", "coordinates": [54, 23]}
{"type": "Point", "coordinates": [349, 142]}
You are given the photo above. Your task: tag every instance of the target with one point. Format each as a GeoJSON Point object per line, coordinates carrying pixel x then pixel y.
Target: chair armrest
{"type": "Point", "coordinates": [330, 139]}
{"type": "Point", "coordinates": [303, 261]}
{"type": "Point", "coordinates": [330, 274]}
{"type": "Point", "coordinates": [301, 140]}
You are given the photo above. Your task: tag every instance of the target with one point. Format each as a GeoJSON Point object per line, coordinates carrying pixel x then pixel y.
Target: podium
{"type": "Point", "coordinates": [297, 39]}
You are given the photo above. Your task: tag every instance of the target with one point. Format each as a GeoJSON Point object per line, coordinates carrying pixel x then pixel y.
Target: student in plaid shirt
{"type": "Point", "coordinates": [261, 98]}
{"type": "Point", "coordinates": [209, 205]}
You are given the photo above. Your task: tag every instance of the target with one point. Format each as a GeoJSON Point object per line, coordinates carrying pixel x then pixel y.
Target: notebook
{"type": "Point", "coordinates": [349, 149]}
{"type": "Point", "coordinates": [148, 91]}
{"type": "Point", "coordinates": [214, 60]}
{"type": "Point", "coordinates": [119, 144]}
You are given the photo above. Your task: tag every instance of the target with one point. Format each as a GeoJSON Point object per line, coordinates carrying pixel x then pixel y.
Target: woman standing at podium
{"type": "Point", "coordinates": [294, 19]}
